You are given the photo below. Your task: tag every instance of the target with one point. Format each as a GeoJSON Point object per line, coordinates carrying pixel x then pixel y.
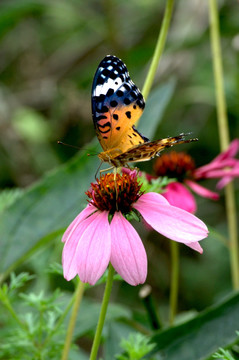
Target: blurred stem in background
{"type": "Point", "coordinates": [224, 137]}
{"type": "Point", "coordinates": [158, 49]}
{"type": "Point", "coordinates": [173, 302]}
{"type": "Point", "coordinates": [71, 326]}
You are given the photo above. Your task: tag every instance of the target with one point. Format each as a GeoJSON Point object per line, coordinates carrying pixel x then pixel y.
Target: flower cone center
{"type": "Point", "coordinates": [115, 193]}
{"type": "Point", "coordinates": [177, 165]}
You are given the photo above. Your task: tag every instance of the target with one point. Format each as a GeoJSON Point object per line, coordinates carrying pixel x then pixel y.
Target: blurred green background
{"type": "Point", "coordinates": [49, 52]}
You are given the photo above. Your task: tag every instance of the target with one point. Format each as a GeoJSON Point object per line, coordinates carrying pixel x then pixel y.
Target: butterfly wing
{"type": "Point", "coordinates": [116, 105]}
{"type": "Point", "coordinates": [149, 150]}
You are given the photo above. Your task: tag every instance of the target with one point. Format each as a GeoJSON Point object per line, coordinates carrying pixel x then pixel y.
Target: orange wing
{"type": "Point", "coordinates": [116, 105]}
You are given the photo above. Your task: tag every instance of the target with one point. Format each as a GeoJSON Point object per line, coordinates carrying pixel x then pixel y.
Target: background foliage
{"type": "Point", "coordinates": [49, 52]}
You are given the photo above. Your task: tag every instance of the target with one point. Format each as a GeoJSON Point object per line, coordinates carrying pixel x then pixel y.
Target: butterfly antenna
{"type": "Point", "coordinates": [76, 147]}
{"type": "Point", "coordinates": [184, 136]}
{"type": "Point", "coordinates": [72, 146]}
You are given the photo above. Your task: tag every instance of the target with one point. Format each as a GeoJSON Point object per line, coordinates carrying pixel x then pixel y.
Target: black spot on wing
{"type": "Point", "coordinates": [100, 117]}
{"type": "Point", "coordinates": [127, 101]}
{"type": "Point", "coordinates": [110, 92]}
{"type": "Point", "coordinates": [113, 103]}
{"type": "Point", "coordinates": [103, 109]}
{"type": "Point", "coordinates": [119, 93]}
{"type": "Point", "coordinates": [128, 114]}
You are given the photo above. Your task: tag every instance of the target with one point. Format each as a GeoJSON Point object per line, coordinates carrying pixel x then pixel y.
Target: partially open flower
{"type": "Point", "coordinates": [181, 166]}
{"type": "Point", "coordinates": [101, 234]}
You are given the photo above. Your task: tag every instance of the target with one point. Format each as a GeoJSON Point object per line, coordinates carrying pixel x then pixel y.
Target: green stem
{"type": "Point", "coordinates": [9, 307]}
{"type": "Point", "coordinates": [105, 301]}
{"type": "Point", "coordinates": [224, 137]}
{"type": "Point", "coordinates": [146, 295]}
{"type": "Point", "coordinates": [159, 48]}
{"type": "Point", "coordinates": [77, 300]}
{"type": "Point", "coordinates": [173, 302]}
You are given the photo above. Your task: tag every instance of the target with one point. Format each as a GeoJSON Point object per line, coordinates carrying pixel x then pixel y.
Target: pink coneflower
{"type": "Point", "coordinates": [101, 234]}
{"type": "Point", "coordinates": [181, 166]}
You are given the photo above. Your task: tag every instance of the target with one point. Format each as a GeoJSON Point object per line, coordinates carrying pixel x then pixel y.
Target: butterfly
{"type": "Point", "coordinates": [117, 104]}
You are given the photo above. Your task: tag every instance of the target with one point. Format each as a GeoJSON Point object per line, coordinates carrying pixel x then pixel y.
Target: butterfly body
{"type": "Point", "coordinates": [117, 104]}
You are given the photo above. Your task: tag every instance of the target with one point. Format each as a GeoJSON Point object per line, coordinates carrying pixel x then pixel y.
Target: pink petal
{"type": "Point", "coordinates": [195, 246]}
{"type": "Point", "coordinates": [82, 215]}
{"type": "Point", "coordinates": [225, 159]}
{"type": "Point", "coordinates": [204, 171]}
{"type": "Point", "coordinates": [131, 173]}
{"type": "Point", "coordinates": [222, 172]}
{"type": "Point", "coordinates": [223, 182]}
{"type": "Point", "coordinates": [178, 195]}
{"type": "Point", "coordinates": [202, 191]}
{"type": "Point", "coordinates": [69, 261]}
{"type": "Point", "coordinates": [154, 197]}
{"type": "Point", "coordinates": [128, 255]}
{"type": "Point", "coordinates": [94, 248]}
{"type": "Point", "coordinates": [230, 152]}
{"type": "Point", "coordinates": [172, 222]}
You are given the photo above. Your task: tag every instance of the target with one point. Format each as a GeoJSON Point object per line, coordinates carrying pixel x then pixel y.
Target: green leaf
{"type": "Point", "coordinates": [200, 337]}
{"type": "Point", "coordinates": [8, 196]}
{"type": "Point", "coordinates": [155, 106]}
{"type": "Point", "coordinates": [45, 208]}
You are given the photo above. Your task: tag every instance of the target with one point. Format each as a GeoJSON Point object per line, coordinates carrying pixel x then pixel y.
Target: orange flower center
{"type": "Point", "coordinates": [115, 194]}
{"type": "Point", "coordinates": [177, 165]}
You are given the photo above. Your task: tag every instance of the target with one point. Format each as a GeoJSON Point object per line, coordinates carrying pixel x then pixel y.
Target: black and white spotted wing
{"type": "Point", "coordinates": [116, 105]}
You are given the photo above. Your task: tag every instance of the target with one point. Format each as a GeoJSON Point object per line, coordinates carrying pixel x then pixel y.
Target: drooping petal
{"type": "Point", "coordinates": [195, 246]}
{"type": "Point", "coordinates": [94, 248]}
{"type": "Point", "coordinates": [230, 152]}
{"type": "Point", "coordinates": [82, 215]}
{"type": "Point", "coordinates": [223, 160]}
{"type": "Point", "coordinates": [223, 182]}
{"type": "Point", "coordinates": [172, 222]}
{"type": "Point", "coordinates": [128, 255]}
{"type": "Point", "coordinates": [203, 171]}
{"type": "Point", "coordinates": [178, 195]}
{"type": "Point", "coordinates": [69, 261]}
{"type": "Point", "coordinates": [223, 172]}
{"type": "Point", "coordinates": [202, 191]}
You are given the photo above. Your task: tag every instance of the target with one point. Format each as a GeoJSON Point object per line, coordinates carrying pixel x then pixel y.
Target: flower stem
{"type": "Point", "coordinates": [224, 137]}
{"type": "Point", "coordinates": [173, 301]}
{"type": "Point", "coordinates": [145, 295]}
{"type": "Point", "coordinates": [159, 48]}
{"type": "Point", "coordinates": [78, 297]}
{"type": "Point", "coordinates": [105, 301]}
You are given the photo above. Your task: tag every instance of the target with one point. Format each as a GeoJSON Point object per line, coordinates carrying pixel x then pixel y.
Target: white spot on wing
{"type": "Point", "coordinates": [109, 84]}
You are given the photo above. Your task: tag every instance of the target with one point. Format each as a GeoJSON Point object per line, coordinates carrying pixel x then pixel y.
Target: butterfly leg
{"type": "Point", "coordinates": [110, 168]}
{"type": "Point", "coordinates": [98, 169]}
{"type": "Point", "coordinates": [116, 189]}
